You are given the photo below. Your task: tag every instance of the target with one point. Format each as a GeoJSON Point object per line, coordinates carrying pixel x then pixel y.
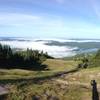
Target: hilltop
{"type": "Point", "coordinates": [68, 86]}
{"type": "Point", "coordinates": [63, 79]}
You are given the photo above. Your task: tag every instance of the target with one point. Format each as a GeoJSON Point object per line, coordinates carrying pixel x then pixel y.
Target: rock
{"type": "Point", "coordinates": [35, 97]}
{"type": "Point", "coordinates": [3, 91]}
{"type": "Point", "coordinates": [52, 97]}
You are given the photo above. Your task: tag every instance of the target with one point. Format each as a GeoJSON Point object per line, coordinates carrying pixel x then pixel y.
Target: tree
{"type": "Point", "coordinates": [29, 59]}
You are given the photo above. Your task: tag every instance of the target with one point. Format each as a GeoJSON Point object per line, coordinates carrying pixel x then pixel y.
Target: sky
{"type": "Point", "coordinates": [50, 18]}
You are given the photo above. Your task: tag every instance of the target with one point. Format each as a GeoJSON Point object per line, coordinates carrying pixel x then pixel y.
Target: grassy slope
{"type": "Point", "coordinates": [72, 86]}
{"type": "Point", "coordinates": [80, 83]}
{"type": "Point", "coordinates": [54, 66]}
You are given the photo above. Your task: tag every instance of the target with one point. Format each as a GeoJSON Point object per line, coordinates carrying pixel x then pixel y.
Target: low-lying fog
{"type": "Point", "coordinates": [55, 47]}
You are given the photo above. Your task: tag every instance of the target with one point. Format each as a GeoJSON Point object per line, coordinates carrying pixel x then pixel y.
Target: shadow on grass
{"type": "Point", "coordinates": [36, 66]}
{"type": "Point", "coordinates": [37, 80]}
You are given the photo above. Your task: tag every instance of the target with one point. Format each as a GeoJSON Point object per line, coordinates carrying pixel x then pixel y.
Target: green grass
{"type": "Point", "coordinates": [54, 66]}
{"type": "Point", "coordinates": [84, 75]}
{"type": "Point", "coordinates": [50, 88]}
{"type": "Point", "coordinates": [60, 65]}
{"type": "Point", "coordinates": [27, 89]}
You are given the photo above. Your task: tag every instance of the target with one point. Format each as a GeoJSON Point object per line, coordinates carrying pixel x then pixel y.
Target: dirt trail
{"type": "Point", "coordinates": [86, 85]}
{"type": "Point", "coordinates": [71, 83]}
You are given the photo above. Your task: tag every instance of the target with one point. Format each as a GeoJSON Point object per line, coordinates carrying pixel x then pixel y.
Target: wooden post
{"type": "Point", "coordinates": [95, 95]}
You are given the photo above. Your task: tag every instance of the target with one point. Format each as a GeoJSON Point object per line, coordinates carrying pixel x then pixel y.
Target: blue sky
{"type": "Point", "coordinates": [50, 18]}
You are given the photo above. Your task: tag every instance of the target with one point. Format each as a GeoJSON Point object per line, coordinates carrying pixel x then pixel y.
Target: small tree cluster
{"type": "Point", "coordinates": [84, 63]}
{"type": "Point", "coordinates": [95, 62]}
{"type": "Point", "coordinates": [29, 59]}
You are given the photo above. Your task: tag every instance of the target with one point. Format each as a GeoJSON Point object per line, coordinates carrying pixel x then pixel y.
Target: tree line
{"type": "Point", "coordinates": [28, 59]}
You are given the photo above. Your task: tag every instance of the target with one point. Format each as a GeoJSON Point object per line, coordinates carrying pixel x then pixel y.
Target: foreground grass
{"type": "Point", "coordinates": [51, 89]}
{"type": "Point", "coordinates": [85, 75]}
{"type": "Point", "coordinates": [48, 91]}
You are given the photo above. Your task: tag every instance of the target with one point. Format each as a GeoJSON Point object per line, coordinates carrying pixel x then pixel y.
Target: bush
{"type": "Point", "coordinates": [95, 61]}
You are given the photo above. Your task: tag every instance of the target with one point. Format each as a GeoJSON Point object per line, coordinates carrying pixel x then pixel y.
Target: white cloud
{"type": "Point", "coordinates": [96, 7]}
{"type": "Point", "coordinates": [16, 17]}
